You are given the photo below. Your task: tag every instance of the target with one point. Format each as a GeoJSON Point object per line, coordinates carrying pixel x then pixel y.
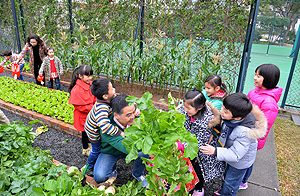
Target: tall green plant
{"type": "Point", "coordinates": [155, 133]}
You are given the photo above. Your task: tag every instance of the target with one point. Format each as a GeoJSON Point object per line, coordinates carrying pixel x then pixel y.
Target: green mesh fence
{"type": "Point", "coordinates": [7, 39]}
{"type": "Point", "coordinates": [293, 97]}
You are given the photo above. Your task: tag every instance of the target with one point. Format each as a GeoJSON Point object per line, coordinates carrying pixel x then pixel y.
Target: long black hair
{"type": "Point", "coordinates": [197, 100]}
{"type": "Point", "coordinates": [36, 37]}
{"type": "Point", "coordinates": [81, 70]}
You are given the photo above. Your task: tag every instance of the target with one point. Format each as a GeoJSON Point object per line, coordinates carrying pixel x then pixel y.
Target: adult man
{"type": "Point", "coordinates": [112, 148]}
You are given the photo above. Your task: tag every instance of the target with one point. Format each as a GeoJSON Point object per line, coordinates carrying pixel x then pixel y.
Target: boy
{"type": "Point", "coordinates": [55, 68]}
{"type": "Point", "coordinates": [97, 118]}
{"type": "Point", "coordinates": [239, 134]}
{"type": "Point", "coordinates": [13, 57]}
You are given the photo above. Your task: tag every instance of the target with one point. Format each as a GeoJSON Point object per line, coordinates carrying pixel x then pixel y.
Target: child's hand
{"type": "Point", "coordinates": [137, 112]}
{"type": "Point", "coordinates": [122, 134]}
{"type": "Point", "coordinates": [207, 149]}
{"type": "Point", "coordinates": [210, 138]}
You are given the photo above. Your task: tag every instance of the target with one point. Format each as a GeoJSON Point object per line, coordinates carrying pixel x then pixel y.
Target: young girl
{"type": "Point", "coordinates": [83, 101]}
{"type": "Point", "coordinates": [266, 96]}
{"type": "Point", "coordinates": [54, 67]}
{"type": "Point", "coordinates": [215, 91]}
{"type": "Point", "coordinates": [198, 114]}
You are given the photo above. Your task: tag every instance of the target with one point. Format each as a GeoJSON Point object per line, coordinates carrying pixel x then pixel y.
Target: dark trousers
{"type": "Point", "coordinates": [85, 140]}
{"type": "Point", "coordinates": [57, 82]}
{"type": "Point", "coordinates": [197, 169]}
{"type": "Point", "coordinates": [36, 74]}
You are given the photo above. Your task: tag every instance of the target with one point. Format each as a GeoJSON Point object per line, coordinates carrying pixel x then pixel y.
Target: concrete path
{"type": "Point", "coordinates": [264, 178]}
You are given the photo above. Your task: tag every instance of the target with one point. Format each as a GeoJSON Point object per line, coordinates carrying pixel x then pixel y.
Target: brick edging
{"type": "Point", "coordinates": [89, 179]}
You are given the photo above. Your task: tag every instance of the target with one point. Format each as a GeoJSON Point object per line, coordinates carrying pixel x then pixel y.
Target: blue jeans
{"type": "Point", "coordinates": [57, 82]}
{"type": "Point", "coordinates": [21, 69]}
{"type": "Point", "coordinates": [106, 164]}
{"type": "Point", "coordinates": [233, 179]}
{"type": "Point", "coordinates": [247, 175]}
{"type": "Point", "coordinates": [96, 148]}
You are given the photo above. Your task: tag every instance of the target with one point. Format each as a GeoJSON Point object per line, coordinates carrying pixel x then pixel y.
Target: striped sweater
{"type": "Point", "coordinates": [12, 59]}
{"type": "Point", "coordinates": [97, 120]}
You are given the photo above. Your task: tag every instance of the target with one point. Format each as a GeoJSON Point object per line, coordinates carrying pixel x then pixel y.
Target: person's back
{"type": "Point", "coordinates": [239, 134]}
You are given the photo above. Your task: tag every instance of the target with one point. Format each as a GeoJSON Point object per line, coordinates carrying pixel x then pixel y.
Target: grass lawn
{"type": "Point", "coordinates": [287, 141]}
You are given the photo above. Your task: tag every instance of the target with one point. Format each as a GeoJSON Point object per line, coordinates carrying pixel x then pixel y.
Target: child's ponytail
{"type": "Point", "coordinates": [75, 76]}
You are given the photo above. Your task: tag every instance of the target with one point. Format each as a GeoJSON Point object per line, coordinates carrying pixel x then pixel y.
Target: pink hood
{"type": "Point", "coordinates": [267, 101]}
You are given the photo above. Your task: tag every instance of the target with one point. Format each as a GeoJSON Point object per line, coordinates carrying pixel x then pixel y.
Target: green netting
{"type": "Point", "coordinates": [293, 97]}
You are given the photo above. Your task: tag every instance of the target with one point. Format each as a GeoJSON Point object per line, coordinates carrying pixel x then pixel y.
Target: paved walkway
{"type": "Point", "coordinates": [264, 178]}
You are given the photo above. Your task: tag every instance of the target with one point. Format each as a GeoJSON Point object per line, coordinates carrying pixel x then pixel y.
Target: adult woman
{"type": "Point", "coordinates": [37, 50]}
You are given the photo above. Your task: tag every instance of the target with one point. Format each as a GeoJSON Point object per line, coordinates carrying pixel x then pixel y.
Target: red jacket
{"type": "Point", "coordinates": [83, 100]}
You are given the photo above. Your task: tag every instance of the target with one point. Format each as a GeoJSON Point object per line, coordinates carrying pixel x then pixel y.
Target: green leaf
{"type": "Point", "coordinates": [133, 154]}
{"type": "Point", "coordinates": [147, 143]}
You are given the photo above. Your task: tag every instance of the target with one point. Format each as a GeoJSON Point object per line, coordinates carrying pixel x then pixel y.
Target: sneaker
{"type": "Point", "coordinates": [86, 151]}
{"type": "Point", "coordinates": [197, 193]}
{"type": "Point", "coordinates": [243, 186]}
{"type": "Point", "coordinates": [114, 174]}
{"type": "Point", "coordinates": [218, 193]}
{"type": "Point", "coordinates": [143, 179]}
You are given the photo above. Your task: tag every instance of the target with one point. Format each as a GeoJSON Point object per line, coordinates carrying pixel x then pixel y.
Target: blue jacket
{"type": "Point", "coordinates": [241, 146]}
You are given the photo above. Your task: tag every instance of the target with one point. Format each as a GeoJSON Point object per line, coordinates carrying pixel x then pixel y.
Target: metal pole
{"type": "Point", "coordinates": [291, 74]}
{"type": "Point", "coordinates": [13, 6]}
{"type": "Point", "coordinates": [22, 20]}
{"type": "Point", "coordinates": [142, 27]}
{"type": "Point", "coordinates": [71, 26]}
{"type": "Point", "coordinates": [137, 30]}
{"type": "Point", "coordinates": [247, 46]}
{"type": "Point", "coordinates": [271, 32]}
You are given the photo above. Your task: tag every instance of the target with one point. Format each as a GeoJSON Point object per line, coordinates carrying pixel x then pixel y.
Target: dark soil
{"type": "Point", "coordinates": [67, 149]}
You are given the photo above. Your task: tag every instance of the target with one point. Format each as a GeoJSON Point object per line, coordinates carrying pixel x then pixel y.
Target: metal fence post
{"type": "Point", "coordinates": [71, 26]}
{"type": "Point", "coordinates": [13, 6]}
{"type": "Point", "coordinates": [22, 20]}
{"type": "Point", "coordinates": [296, 51]}
{"type": "Point", "coordinates": [271, 33]}
{"type": "Point", "coordinates": [142, 27]}
{"type": "Point", "coordinates": [247, 46]}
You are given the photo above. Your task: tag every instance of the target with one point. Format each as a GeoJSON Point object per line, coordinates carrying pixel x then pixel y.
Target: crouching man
{"type": "Point", "coordinates": [112, 148]}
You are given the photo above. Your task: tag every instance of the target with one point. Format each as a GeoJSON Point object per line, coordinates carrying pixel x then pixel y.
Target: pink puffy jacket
{"type": "Point", "coordinates": [267, 101]}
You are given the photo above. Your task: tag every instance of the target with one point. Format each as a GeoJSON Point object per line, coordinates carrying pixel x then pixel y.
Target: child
{"type": "Point", "coordinates": [197, 115]}
{"type": "Point", "coordinates": [83, 100]}
{"type": "Point", "coordinates": [54, 67]}
{"type": "Point", "coordinates": [13, 57]}
{"type": "Point", "coordinates": [215, 91]}
{"type": "Point", "coordinates": [266, 96]}
{"type": "Point", "coordinates": [239, 134]}
{"type": "Point", "coordinates": [98, 118]}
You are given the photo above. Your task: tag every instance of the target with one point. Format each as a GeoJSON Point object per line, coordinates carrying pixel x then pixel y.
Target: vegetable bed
{"type": "Point", "coordinates": [46, 101]}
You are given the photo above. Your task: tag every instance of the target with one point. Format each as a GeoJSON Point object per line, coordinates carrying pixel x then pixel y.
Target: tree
{"type": "Point", "coordinates": [285, 9]}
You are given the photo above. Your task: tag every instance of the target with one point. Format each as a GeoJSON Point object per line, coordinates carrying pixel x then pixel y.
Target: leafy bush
{"type": "Point", "coordinates": [28, 171]}
{"type": "Point", "coordinates": [37, 98]}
